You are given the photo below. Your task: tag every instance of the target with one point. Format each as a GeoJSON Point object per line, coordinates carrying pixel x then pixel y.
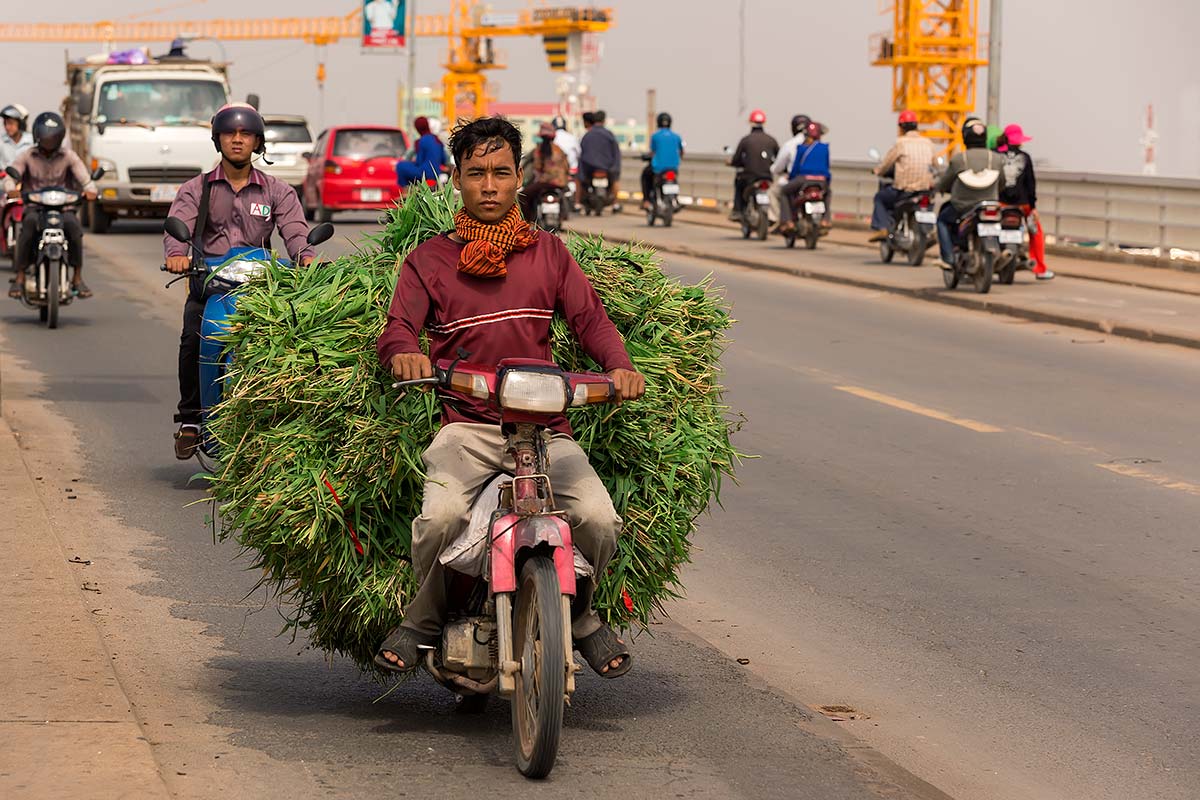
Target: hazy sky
{"type": "Point", "coordinates": [1077, 74]}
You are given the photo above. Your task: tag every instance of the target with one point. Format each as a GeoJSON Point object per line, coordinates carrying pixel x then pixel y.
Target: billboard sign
{"type": "Point", "coordinates": [383, 23]}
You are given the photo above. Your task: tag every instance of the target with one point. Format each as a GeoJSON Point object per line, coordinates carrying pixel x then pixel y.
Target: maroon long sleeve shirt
{"type": "Point", "coordinates": [496, 318]}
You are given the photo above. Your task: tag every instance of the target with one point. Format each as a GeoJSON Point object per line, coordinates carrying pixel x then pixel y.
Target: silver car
{"type": "Point", "coordinates": [288, 139]}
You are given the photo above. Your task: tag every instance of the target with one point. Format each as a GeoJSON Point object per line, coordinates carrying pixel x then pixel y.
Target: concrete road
{"type": "Point", "coordinates": [976, 532]}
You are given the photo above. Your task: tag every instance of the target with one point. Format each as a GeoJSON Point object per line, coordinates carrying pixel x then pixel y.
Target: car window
{"type": "Point", "coordinates": [363, 144]}
{"type": "Point", "coordinates": [290, 132]}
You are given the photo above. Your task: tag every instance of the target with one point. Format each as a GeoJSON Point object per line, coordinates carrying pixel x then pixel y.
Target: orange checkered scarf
{"type": "Point", "coordinates": [489, 245]}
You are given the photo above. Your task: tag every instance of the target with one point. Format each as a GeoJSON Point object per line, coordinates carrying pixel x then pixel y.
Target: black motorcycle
{"type": "Point", "coordinates": [808, 206]}
{"type": "Point", "coordinates": [912, 228]}
{"type": "Point", "coordinates": [1014, 245]}
{"type": "Point", "coordinates": [664, 203]}
{"type": "Point", "coordinates": [756, 207]}
{"type": "Point", "coordinates": [47, 285]}
{"type": "Point", "coordinates": [597, 193]}
{"type": "Point", "coordinates": [551, 210]}
{"type": "Point", "coordinates": [976, 247]}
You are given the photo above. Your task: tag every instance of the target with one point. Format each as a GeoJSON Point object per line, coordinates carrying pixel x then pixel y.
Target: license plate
{"type": "Point", "coordinates": [163, 193]}
{"type": "Point", "coordinates": [370, 195]}
{"type": "Point", "coordinates": [670, 188]}
{"type": "Point", "coordinates": [1012, 236]}
{"type": "Point", "coordinates": [817, 207]}
{"type": "Point", "coordinates": [763, 199]}
{"type": "Point", "coordinates": [926, 217]}
{"type": "Point", "coordinates": [988, 229]}
{"type": "Point", "coordinates": [550, 209]}
{"type": "Point", "coordinates": [599, 183]}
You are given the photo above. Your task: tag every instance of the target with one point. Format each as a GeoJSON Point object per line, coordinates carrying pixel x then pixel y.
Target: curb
{"type": "Point", "coordinates": [933, 295]}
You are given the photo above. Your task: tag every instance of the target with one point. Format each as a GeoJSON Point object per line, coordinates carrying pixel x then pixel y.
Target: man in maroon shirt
{"type": "Point", "coordinates": [244, 207]}
{"type": "Point", "coordinates": [491, 288]}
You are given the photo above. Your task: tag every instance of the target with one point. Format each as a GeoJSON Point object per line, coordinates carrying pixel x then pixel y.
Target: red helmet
{"type": "Point", "coordinates": [907, 117]}
{"type": "Point", "coordinates": [757, 117]}
{"type": "Point", "coordinates": [813, 130]}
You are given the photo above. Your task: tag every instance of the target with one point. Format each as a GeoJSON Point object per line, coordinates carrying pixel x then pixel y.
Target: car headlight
{"type": "Point", "coordinates": [538, 392]}
{"type": "Point", "coordinates": [51, 197]}
{"type": "Point", "coordinates": [240, 271]}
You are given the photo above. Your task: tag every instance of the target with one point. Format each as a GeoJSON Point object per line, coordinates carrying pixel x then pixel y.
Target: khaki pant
{"type": "Point", "coordinates": [463, 457]}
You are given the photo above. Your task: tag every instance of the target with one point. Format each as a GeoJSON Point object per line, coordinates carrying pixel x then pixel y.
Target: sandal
{"type": "Point", "coordinates": [81, 290]}
{"type": "Point", "coordinates": [407, 644]}
{"type": "Point", "coordinates": [601, 648]}
{"type": "Point", "coordinates": [14, 291]}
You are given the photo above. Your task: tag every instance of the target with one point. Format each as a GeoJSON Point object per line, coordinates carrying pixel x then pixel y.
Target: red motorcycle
{"type": "Point", "coordinates": [514, 567]}
{"type": "Point", "coordinates": [11, 215]}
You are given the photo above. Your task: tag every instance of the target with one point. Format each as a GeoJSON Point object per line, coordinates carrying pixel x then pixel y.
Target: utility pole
{"type": "Point", "coordinates": [993, 95]}
{"type": "Point", "coordinates": [742, 57]}
{"type": "Point", "coordinates": [410, 40]}
{"type": "Point", "coordinates": [651, 111]}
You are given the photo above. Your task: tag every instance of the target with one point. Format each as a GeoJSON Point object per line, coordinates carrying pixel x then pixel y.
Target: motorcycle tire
{"type": "Point", "coordinates": [1008, 274]}
{"type": "Point", "coordinates": [916, 253]}
{"type": "Point", "coordinates": [99, 220]}
{"type": "Point", "coordinates": [790, 238]}
{"type": "Point", "coordinates": [668, 215]}
{"type": "Point", "coordinates": [745, 227]}
{"type": "Point", "coordinates": [982, 279]}
{"type": "Point", "coordinates": [763, 225]}
{"type": "Point", "coordinates": [650, 217]}
{"type": "Point", "coordinates": [886, 251]}
{"type": "Point", "coordinates": [53, 285]}
{"type": "Point", "coordinates": [950, 277]}
{"type": "Point", "coordinates": [537, 703]}
{"type": "Point", "coordinates": [810, 238]}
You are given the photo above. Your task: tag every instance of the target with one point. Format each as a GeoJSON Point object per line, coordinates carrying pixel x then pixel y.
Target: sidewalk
{"type": "Point", "coordinates": [66, 726]}
{"type": "Point", "coordinates": [1120, 299]}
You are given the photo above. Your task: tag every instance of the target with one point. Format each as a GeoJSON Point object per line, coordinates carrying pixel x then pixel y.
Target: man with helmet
{"type": "Point", "coordinates": [753, 158]}
{"type": "Point", "coordinates": [599, 150]}
{"type": "Point", "coordinates": [565, 140]}
{"type": "Point", "coordinates": [910, 163]}
{"type": "Point", "coordinates": [666, 151]}
{"type": "Point", "coordinates": [48, 163]}
{"type": "Point", "coordinates": [14, 138]}
{"type": "Point", "coordinates": [972, 176]}
{"type": "Point", "coordinates": [783, 163]}
{"type": "Point", "coordinates": [234, 205]}
{"type": "Point", "coordinates": [812, 159]}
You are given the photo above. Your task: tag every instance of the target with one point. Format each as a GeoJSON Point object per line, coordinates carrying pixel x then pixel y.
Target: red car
{"type": "Point", "coordinates": [353, 167]}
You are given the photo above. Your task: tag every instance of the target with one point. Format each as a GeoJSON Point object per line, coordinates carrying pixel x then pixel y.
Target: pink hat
{"type": "Point", "coordinates": [1015, 135]}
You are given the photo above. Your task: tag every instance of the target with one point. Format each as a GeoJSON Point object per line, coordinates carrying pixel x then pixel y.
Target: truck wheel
{"type": "Point", "coordinates": [99, 220]}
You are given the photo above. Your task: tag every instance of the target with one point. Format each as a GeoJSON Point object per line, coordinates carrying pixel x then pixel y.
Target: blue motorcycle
{"type": "Point", "coordinates": [222, 276]}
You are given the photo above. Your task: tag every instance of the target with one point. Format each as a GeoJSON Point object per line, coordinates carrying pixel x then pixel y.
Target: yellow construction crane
{"type": "Point", "coordinates": [934, 55]}
{"type": "Point", "coordinates": [468, 28]}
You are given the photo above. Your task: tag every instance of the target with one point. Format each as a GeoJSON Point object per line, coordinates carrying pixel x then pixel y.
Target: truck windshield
{"type": "Point", "coordinates": [160, 102]}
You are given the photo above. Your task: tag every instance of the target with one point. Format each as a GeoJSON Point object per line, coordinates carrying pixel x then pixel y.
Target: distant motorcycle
{"type": "Point", "coordinates": [11, 215]}
{"type": "Point", "coordinates": [912, 228]}
{"type": "Point", "coordinates": [756, 206]}
{"type": "Point", "coordinates": [665, 201]}
{"type": "Point", "coordinates": [977, 248]}
{"type": "Point", "coordinates": [47, 284]}
{"type": "Point", "coordinates": [809, 206]}
{"type": "Point", "coordinates": [597, 193]}
{"type": "Point", "coordinates": [1014, 245]}
{"type": "Point", "coordinates": [551, 210]}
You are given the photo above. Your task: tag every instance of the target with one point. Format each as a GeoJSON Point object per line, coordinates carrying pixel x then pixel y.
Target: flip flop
{"type": "Point", "coordinates": [81, 290]}
{"type": "Point", "coordinates": [14, 291]}
{"type": "Point", "coordinates": [601, 648]}
{"type": "Point", "coordinates": [406, 644]}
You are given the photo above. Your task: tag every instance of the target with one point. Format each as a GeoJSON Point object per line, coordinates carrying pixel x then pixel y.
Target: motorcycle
{"type": "Point", "coordinates": [222, 276]}
{"type": "Point", "coordinates": [809, 207]}
{"type": "Point", "coordinates": [756, 205]}
{"type": "Point", "coordinates": [976, 248]}
{"type": "Point", "coordinates": [11, 215]}
{"type": "Point", "coordinates": [1014, 245]}
{"type": "Point", "coordinates": [597, 194]}
{"type": "Point", "coordinates": [47, 284]}
{"type": "Point", "coordinates": [515, 565]}
{"type": "Point", "coordinates": [551, 210]}
{"type": "Point", "coordinates": [665, 201]}
{"type": "Point", "coordinates": [912, 228]}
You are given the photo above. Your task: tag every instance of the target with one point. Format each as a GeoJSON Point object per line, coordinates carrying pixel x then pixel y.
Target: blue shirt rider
{"type": "Point", "coordinates": [429, 159]}
{"type": "Point", "coordinates": [666, 152]}
{"type": "Point", "coordinates": [812, 160]}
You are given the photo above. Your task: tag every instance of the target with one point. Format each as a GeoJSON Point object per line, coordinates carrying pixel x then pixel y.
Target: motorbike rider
{"type": "Point", "coordinates": [566, 141]}
{"type": "Point", "coordinates": [551, 170]}
{"type": "Point", "coordinates": [910, 162]}
{"type": "Point", "coordinates": [782, 165]}
{"type": "Point", "coordinates": [666, 151]}
{"type": "Point", "coordinates": [1020, 189]}
{"type": "Point", "coordinates": [812, 159]}
{"type": "Point", "coordinates": [429, 159]}
{"type": "Point", "coordinates": [14, 138]}
{"type": "Point", "coordinates": [752, 158]}
{"type": "Point", "coordinates": [599, 150]}
{"type": "Point", "coordinates": [971, 177]}
{"type": "Point", "coordinates": [48, 163]}
{"type": "Point", "coordinates": [242, 207]}
{"type": "Point", "coordinates": [491, 287]}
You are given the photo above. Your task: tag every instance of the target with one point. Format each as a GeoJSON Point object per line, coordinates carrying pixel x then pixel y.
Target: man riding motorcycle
{"type": "Point", "coordinates": [752, 158]}
{"type": "Point", "coordinates": [666, 151]}
{"type": "Point", "coordinates": [14, 138]}
{"type": "Point", "coordinates": [972, 177]}
{"type": "Point", "coordinates": [458, 287]}
{"type": "Point", "coordinates": [910, 162]}
{"type": "Point", "coordinates": [566, 141]}
{"type": "Point", "coordinates": [428, 159]}
{"type": "Point", "coordinates": [551, 170]}
{"type": "Point", "coordinates": [234, 205]}
{"type": "Point", "coordinates": [599, 150]}
{"type": "Point", "coordinates": [812, 159]}
{"type": "Point", "coordinates": [49, 164]}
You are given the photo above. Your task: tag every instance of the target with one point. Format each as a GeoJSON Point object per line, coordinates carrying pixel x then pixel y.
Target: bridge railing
{"type": "Point", "coordinates": [1139, 215]}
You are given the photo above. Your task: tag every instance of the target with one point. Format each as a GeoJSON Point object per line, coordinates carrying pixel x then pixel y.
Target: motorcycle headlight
{"type": "Point", "coordinates": [240, 271]}
{"type": "Point", "coordinates": [51, 197]}
{"type": "Point", "coordinates": [538, 392]}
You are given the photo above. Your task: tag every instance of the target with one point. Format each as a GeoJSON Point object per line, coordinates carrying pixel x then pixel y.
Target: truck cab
{"type": "Point", "coordinates": [148, 125]}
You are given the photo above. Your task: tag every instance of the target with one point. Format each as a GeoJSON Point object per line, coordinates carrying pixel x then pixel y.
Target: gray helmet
{"type": "Point", "coordinates": [49, 130]}
{"type": "Point", "coordinates": [16, 111]}
{"type": "Point", "coordinates": [235, 117]}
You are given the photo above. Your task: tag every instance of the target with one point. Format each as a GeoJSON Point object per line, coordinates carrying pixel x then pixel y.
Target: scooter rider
{"type": "Point", "coordinates": [910, 160]}
{"type": "Point", "coordinates": [49, 164]}
{"type": "Point", "coordinates": [666, 152]}
{"type": "Point", "coordinates": [599, 150]}
{"type": "Point", "coordinates": [491, 287]}
{"type": "Point", "coordinates": [241, 207]}
{"type": "Point", "coordinates": [549, 168]}
{"type": "Point", "coordinates": [752, 158]}
{"type": "Point", "coordinates": [812, 159]}
{"type": "Point", "coordinates": [14, 138]}
{"type": "Point", "coordinates": [972, 177]}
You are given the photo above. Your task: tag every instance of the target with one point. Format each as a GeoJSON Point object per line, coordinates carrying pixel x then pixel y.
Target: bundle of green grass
{"type": "Point", "coordinates": [321, 470]}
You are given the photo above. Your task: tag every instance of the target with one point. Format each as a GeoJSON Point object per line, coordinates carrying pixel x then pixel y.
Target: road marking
{"type": "Point", "coordinates": [1130, 471]}
{"type": "Point", "coordinates": [932, 413]}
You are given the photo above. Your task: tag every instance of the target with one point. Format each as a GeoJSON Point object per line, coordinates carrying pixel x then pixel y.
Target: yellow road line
{"type": "Point", "coordinates": [1130, 471]}
{"type": "Point", "coordinates": [932, 413]}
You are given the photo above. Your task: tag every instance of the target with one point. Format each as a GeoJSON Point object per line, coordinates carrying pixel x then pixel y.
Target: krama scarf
{"type": "Point", "coordinates": [489, 245]}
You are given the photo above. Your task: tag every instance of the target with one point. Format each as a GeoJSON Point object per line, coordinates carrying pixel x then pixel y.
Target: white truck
{"type": "Point", "coordinates": [148, 125]}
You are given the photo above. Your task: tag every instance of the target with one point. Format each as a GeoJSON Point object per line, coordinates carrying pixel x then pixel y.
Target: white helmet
{"type": "Point", "coordinates": [17, 112]}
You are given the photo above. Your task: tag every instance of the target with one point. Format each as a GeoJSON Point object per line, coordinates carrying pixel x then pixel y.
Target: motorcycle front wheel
{"type": "Point", "coordinates": [53, 286]}
{"type": "Point", "coordinates": [537, 703]}
{"type": "Point", "coordinates": [886, 251]}
{"type": "Point", "coordinates": [983, 276]}
{"type": "Point", "coordinates": [950, 277]}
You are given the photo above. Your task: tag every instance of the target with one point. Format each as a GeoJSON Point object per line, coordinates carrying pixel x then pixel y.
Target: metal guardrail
{"type": "Point", "coordinates": [1139, 215]}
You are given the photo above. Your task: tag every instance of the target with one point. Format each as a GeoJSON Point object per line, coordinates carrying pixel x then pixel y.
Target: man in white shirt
{"type": "Point", "coordinates": [566, 141]}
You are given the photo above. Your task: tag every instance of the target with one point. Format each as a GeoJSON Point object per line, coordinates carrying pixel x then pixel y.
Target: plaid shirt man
{"type": "Point", "coordinates": [912, 155]}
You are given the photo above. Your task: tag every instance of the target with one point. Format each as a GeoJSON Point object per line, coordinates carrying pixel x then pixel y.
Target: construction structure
{"type": "Point", "coordinates": [934, 55]}
{"type": "Point", "coordinates": [468, 28]}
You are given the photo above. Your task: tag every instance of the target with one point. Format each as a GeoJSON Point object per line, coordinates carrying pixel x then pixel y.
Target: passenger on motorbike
{"type": "Point", "coordinates": [910, 163]}
{"type": "Point", "coordinates": [566, 141]}
{"type": "Point", "coordinates": [782, 165]}
{"type": "Point", "coordinates": [551, 170]}
{"type": "Point", "coordinates": [599, 150]}
{"type": "Point", "coordinates": [812, 159]}
{"type": "Point", "coordinates": [429, 159]}
{"type": "Point", "coordinates": [971, 177]}
{"type": "Point", "coordinates": [14, 138]}
{"type": "Point", "coordinates": [1020, 189]}
{"type": "Point", "coordinates": [752, 158]}
{"type": "Point", "coordinates": [490, 288]}
{"type": "Point", "coordinates": [48, 163]}
{"type": "Point", "coordinates": [666, 151]}
{"type": "Point", "coordinates": [234, 205]}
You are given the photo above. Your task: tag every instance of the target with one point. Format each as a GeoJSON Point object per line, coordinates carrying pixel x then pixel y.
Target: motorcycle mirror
{"type": "Point", "coordinates": [941, 161]}
{"type": "Point", "coordinates": [320, 233]}
{"type": "Point", "coordinates": [177, 229]}
{"type": "Point", "coordinates": [727, 149]}
{"type": "Point", "coordinates": [97, 173]}
{"type": "Point", "coordinates": [873, 154]}
{"type": "Point", "coordinates": [11, 172]}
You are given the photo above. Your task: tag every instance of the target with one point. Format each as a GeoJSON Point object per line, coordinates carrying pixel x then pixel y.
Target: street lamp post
{"type": "Point", "coordinates": [994, 30]}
